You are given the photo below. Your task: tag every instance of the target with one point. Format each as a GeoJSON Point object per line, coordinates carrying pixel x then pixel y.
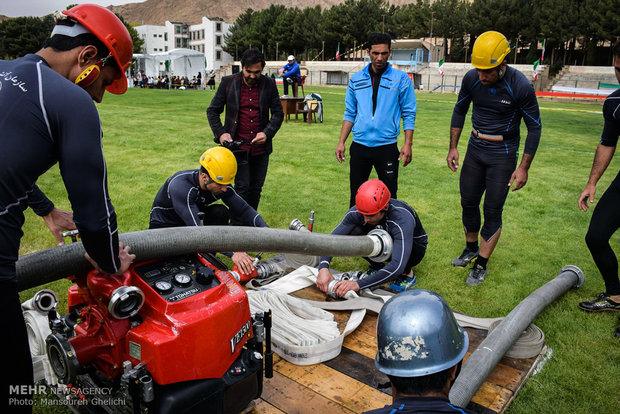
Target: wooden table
{"type": "Point", "coordinates": [350, 383]}
{"type": "Point", "coordinates": [289, 106]}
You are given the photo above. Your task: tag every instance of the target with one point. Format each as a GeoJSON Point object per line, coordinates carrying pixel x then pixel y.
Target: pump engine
{"type": "Point", "coordinates": [170, 335]}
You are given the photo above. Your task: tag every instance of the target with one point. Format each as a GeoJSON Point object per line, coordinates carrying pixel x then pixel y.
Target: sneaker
{"type": "Point", "coordinates": [476, 276]}
{"type": "Point", "coordinates": [602, 303]}
{"type": "Point", "coordinates": [404, 282]}
{"type": "Point", "coordinates": [465, 258]}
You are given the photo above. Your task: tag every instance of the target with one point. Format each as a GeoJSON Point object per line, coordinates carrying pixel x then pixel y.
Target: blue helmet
{"type": "Point", "coordinates": [417, 335]}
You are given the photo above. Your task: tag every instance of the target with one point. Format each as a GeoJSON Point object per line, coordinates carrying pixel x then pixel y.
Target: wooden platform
{"type": "Point", "coordinates": [350, 383]}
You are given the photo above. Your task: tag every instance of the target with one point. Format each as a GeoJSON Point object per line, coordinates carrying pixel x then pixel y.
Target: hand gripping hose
{"type": "Point", "coordinates": [58, 262]}
{"type": "Point", "coordinates": [483, 360]}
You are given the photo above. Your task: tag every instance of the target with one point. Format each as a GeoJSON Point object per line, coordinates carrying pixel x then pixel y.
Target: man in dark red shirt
{"type": "Point", "coordinates": [253, 116]}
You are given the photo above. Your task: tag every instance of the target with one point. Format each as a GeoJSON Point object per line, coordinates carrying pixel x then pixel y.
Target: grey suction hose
{"type": "Point", "coordinates": [483, 360]}
{"type": "Point", "coordinates": [58, 262]}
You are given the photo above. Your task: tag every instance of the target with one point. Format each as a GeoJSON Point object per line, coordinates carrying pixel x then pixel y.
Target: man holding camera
{"type": "Point", "coordinates": [249, 98]}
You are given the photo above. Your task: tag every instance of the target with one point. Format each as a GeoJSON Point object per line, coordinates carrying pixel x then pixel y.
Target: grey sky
{"type": "Point", "coordinates": [16, 8]}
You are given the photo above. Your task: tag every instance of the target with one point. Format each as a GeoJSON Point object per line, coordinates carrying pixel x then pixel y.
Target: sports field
{"type": "Point", "coordinates": [150, 134]}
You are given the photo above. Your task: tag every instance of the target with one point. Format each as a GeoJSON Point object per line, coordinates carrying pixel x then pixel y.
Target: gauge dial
{"type": "Point", "coordinates": [163, 287]}
{"type": "Point", "coordinates": [181, 279]}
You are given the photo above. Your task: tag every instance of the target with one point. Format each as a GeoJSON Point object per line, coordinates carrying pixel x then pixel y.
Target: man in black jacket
{"type": "Point", "coordinates": [249, 97]}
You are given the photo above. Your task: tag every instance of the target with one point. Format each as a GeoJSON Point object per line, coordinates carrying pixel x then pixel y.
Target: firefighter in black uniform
{"type": "Point", "coordinates": [420, 349]}
{"type": "Point", "coordinates": [501, 96]}
{"type": "Point", "coordinates": [606, 217]}
{"type": "Point", "coordinates": [187, 194]}
{"type": "Point", "coordinates": [47, 115]}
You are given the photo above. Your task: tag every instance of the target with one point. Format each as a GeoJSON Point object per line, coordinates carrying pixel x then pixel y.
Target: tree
{"type": "Point", "coordinates": [411, 20]}
{"type": "Point", "coordinates": [23, 35]}
{"type": "Point", "coordinates": [238, 39]}
{"type": "Point", "coordinates": [138, 42]}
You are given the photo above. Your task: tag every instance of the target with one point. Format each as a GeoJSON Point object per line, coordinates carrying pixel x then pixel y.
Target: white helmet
{"type": "Point", "coordinates": [290, 57]}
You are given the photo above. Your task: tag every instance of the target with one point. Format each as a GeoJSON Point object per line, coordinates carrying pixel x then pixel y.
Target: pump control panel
{"type": "Point", "coordinates": [178, 278]}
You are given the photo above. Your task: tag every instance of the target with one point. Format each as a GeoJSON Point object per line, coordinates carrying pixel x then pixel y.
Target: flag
{"type": "Point", "coordinates": [440, 68]}
{"type": "Point", "coordinates": [535, 74]}
{"type": "Point", "coordinates": [338, 52]}
{"type": "Point", "coordinates": [542, 56]}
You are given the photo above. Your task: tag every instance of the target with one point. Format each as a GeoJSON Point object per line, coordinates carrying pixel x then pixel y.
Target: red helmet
{"type": "Point", "coordinates": [372, 197]}
{"type": "Point", "coordinates": [112, 32]}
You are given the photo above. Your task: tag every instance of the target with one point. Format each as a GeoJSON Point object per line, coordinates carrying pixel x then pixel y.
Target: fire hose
{"type": "Point", "coordinates": [527, 345]}
{"type": "Point", "coordinates": [483, 360]}
{"type": "Point", "coordinates": [58, 262]}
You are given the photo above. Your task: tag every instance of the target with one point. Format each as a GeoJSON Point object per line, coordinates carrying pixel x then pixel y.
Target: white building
{"type": "Point", "coordinates": [206, 37]}
{"type": "Point", "coordinates": [155, 38]}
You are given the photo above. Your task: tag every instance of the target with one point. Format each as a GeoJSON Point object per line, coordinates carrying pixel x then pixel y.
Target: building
{"type": "Point", "coordinates": [206, 37]}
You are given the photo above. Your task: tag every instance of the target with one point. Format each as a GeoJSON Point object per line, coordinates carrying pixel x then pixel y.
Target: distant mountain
{"type": "Point", "coordinates": [156, 12]}
{"type": "Point", "coordinates": [191, 11]}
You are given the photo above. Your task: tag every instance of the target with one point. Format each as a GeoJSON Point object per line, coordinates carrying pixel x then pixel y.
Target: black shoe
{"type": "Point", "coordinates": [602, 303]}
{"type": "Point", "coordinates": [476, 276]}
{"type": "Point", "coordinates": [465, 258]}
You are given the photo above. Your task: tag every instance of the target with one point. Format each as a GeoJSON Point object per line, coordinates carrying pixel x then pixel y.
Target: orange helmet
{"type": "Point", "coordinates": [112, 32]}
{"type": "Point", "coordinates": [372, 197]}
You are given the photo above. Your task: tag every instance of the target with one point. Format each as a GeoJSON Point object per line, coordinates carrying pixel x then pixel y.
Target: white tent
{"type": "Point", "coordinates": [176, 62]}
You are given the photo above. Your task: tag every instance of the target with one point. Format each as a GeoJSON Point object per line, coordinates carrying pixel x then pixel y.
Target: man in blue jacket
{"type": "Point", "coordinates": [377, 98]}
{"type": "Point", "coordinates": [291, 75]}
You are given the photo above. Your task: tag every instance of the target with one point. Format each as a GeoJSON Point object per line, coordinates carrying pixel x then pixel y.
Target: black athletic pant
{"type": "Point", "coordinates": [604, 223]}
{"type": "Point", "coordinates": [250, 178]}
{"type": "Point", "coordinates": [294, 85]}
{"type": "Point", "coordinates": [17, 367]}
{"type": "Point", "coordinates": [361, 160]}
{"type": "Point", "coordinates": [482, 172]}
{"type": "Point", "coordinates": [416, 256]}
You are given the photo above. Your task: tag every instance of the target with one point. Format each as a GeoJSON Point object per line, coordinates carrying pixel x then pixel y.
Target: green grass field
{"type": "Point", "coordinates": [150, 134]}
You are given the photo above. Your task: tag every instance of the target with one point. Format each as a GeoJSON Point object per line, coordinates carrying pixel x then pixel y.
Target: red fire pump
{"type": "Point", "coordinates": [169, 336]}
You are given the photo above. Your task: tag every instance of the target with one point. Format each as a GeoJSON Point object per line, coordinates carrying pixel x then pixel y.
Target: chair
{"type": "Point", "coordinates": [308, 108]}
{"type": "Point", "coordinates": [303, 72]}
{"type": "Point", "coordinates": [302, 81]}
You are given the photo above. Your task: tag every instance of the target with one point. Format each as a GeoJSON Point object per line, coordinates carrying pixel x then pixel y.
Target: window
{"type": "Point", "coordinates": [218, 55]}
{"type": "Point", "coordinates": [178, 42]}
{"type": "Point", "coordinates": [165, 48]}
{"type": "Point", "coordinates": [218, 27]}
{"type": "Point", "coordinates": [177, 29]}
{"type": "Point", "coordinates": [160, 35]}
{"type": "Point", "coordinates": [166, 36]}
{"type": "Point", "coordinates": [184, 42]}
{"type": "Point", "coordinates": [218, 40]}
{"type": "Point", "coordinates": [154, 35]}
{"type": "Point", "coordinates": [202, 33]}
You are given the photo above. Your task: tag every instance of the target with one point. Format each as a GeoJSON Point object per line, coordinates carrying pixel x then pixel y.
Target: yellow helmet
{"type": "Point", "coordinates": [220, 163]}
{"type": "Point", "coordinates": [490, 50]}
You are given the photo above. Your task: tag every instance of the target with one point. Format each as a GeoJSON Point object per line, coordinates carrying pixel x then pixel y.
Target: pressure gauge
{"type": "Point", "coordinates": [163, 287]}
{"type": "Point", "coordinates": [182, 280]}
